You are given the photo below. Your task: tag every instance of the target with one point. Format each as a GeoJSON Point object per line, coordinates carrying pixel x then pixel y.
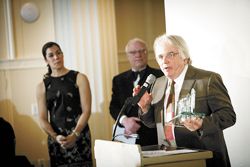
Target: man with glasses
{"type": "Point", "coordinates": [199, 91]}
{"type": "Point", "coordinates": [122, 89]}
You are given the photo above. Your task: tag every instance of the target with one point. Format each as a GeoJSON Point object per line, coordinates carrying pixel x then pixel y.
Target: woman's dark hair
{"type": "Point", "coordinates": [44, 49]}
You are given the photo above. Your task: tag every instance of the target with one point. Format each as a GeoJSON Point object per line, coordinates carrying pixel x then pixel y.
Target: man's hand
{"type": "Point", "coordinates": [145, 100]}
{"type": "Point", "coordinates": [131, 125]}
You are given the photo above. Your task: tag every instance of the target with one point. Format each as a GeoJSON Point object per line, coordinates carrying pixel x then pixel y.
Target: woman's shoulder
{"type": "Point", "coordinates": [81, 77]}
{"type": "Point", "coordinates": [40, 88]}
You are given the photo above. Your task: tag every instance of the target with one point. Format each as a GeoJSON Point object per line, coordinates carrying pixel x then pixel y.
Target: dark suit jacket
{"type": "Point", "coordinates": [7, 140]}
{"type": "Point", "coordinates": [212, 99]}
{"type": "Point", "coordinates": [121, 90]}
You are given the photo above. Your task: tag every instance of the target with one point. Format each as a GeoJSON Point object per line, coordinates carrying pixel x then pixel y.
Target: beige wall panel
{"type": "Point", "coordinates": [152, 62]}
{"type": "Point", "coordinates": [5, 96]}
{"type": "Point", "coordinates": [30, 139]}
{"type": "Point", "coordinates": [129, 20]}
{"type": "Point", "coordinates": [138, 18]}
{"type": "Point", "coordinates": [18, 88]}
{"type": "Point", "coordinates": [30, 37]}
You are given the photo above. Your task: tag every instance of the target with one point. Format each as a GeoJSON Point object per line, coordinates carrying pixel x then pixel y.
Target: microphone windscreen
{"type": "Point", "coordinates": [150, 79]}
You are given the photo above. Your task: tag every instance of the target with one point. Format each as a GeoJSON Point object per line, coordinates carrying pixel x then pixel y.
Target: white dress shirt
{"type": "Point", "coordinates": [178, 85]}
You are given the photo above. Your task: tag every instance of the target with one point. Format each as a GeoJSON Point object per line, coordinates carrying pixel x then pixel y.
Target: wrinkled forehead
{"type": "Point", "coordinates": [163, 47]}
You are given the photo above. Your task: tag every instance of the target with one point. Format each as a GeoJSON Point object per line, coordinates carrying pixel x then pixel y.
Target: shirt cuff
{"type": "Point", "coordinates": [140, 112]}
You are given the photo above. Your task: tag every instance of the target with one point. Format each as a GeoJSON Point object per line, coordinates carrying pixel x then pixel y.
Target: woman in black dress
{"type": "Point", "coordinates": [64, 103]}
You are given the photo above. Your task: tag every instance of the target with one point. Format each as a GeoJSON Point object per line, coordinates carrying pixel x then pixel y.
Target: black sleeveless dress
{"type": "Point", "coordinates": [63, 104]}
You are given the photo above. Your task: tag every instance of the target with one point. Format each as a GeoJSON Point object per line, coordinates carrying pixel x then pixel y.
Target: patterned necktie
{"type": "Point", "coordinates": [137, 78]}
{"type": "Point", "coordinates": [170, 111]}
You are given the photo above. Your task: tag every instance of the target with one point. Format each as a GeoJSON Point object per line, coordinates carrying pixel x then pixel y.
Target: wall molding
{"type": "Point", "coordinates": [22, 64]}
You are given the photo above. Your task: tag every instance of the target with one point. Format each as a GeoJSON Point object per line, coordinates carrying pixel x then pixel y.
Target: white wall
{"type": "Point", "coordinates": [218, 36]}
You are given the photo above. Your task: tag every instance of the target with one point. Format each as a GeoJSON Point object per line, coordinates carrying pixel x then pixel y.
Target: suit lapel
{"type": "Point", "coordinates": [128, 83]}
{"type": "Point", "coordinates": [158, 93]}
{"type": "Point", "coordinates": [144, 76]}
{"type": "Point", "coordinates": [188, 83]}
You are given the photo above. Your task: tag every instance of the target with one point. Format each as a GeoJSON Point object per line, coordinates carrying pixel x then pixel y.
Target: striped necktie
{"type": "Point", "coordinates": [170, 112]}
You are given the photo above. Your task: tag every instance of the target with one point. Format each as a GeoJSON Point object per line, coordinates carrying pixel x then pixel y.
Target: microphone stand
{"type": "Point", "coordinates": [126, 107]}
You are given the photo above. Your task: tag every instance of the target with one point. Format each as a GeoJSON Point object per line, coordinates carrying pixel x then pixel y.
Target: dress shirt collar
{"type": "Point", "coordinates": [177, 86]}
{"type": "Point", "coordinates": [179, 82]}
{"type": "Point", "coordinates": [180, 78]}
{"type": "Point", "coordinates": [139, 70]}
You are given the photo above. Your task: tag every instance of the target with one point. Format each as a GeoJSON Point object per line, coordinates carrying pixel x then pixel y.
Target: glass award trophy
{"type": "Point", "coordinates": [186, 109]}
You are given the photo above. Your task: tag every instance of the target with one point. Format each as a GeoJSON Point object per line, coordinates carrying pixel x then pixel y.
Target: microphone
{"type": "Point", "coordinates": [126, 107]}
{"type": "Point", "coordinates": [149, 81]}
{"type": "Point", "coordinates": [132, 101]}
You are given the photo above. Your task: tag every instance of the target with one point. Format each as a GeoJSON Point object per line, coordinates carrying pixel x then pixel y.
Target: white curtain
{"type": "Point", "coordinates": [85, 29]}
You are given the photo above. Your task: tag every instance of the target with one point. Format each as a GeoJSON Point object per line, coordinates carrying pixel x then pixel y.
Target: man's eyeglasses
{"type": "Point", "coordinates": [141, 51]}
{"type": "Point", "coordinates": [169, 55]}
